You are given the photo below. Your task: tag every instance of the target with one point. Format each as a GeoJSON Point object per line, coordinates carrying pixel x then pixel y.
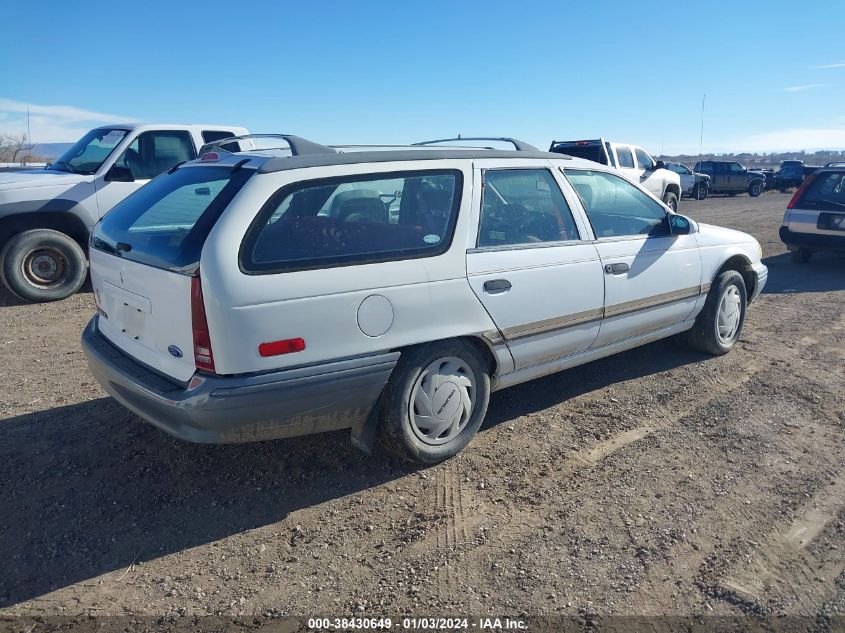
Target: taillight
{"type": "Point", "coordinates": [807, 181]}
{"type": "Point", "coordinates": [203, 356]}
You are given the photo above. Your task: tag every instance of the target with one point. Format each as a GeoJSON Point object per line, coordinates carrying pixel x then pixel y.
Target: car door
{"type": "Point", "coordinates": [148, 155]}
{"type": "Point", "coordinates": [738, 177]}
{"type": "Point", "coordinates": [533, 265]}
{"type": "Point", "coordinates": [649, 178]}
{"type": "Point", "coordinates": [652, 279]}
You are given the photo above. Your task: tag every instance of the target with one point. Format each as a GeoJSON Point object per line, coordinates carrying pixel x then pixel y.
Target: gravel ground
{"type": "Point", "coordinates": [656, 482]}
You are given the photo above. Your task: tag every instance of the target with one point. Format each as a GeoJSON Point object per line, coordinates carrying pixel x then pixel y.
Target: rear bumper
{"type": "Point", "coordinates": [230, 409]}
{"type": "Point", "coordinates": [812, 240]}
{"type": "Point", "coordinates": [761, 276]}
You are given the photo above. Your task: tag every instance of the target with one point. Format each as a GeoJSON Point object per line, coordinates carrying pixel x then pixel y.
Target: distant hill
{"type": "Point", "coordinates": [49, 150]}
{"type": "Point", "coordinates": [758, 161]}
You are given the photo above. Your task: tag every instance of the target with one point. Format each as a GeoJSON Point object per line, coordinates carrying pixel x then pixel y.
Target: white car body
{"type": "Point", "coordinates": [562, 305]}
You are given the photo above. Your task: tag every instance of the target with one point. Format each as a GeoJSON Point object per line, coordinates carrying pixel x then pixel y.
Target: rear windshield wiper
{"type": "Point", "coordinates": [838, 204]}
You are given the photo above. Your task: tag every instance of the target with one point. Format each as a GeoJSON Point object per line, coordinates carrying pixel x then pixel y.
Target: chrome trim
{"type": "Point", "coordinates": [493, 337]}
{"type": "Point", "coordinates": [526, 246]}
{"type": "Point", "coordinates": [550, 325]}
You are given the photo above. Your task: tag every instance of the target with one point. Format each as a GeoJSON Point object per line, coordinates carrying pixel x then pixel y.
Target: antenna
{"type": "Point", "coordinates": [701, 138]}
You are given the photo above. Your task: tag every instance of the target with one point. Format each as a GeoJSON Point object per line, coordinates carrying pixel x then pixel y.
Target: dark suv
{"type": "Point", "coordinates": [731, 177]}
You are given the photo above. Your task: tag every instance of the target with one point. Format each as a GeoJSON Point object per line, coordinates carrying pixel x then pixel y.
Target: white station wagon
{"type": "Point", "coordinates": [247, 296]}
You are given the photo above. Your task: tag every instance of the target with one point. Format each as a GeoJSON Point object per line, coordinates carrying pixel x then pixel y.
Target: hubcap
{"type": "Point", "coordinates": [442, 400]}
{"type": "Point", "coordinates": [730, 312]}
{"type": "Point", "coordinates": [44, 267]}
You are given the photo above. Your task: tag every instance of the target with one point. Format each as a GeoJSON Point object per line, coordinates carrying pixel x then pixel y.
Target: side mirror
{"type": "Point", "coordinates": [118, 173]}
{"type": "Point", "coordinates": [660, 165]}
{"type": "Point", "coordinates": [680, 225]}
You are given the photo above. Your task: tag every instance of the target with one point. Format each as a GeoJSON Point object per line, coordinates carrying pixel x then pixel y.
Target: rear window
{"type": "Point", "coordinates": [592, 151]}
{"type": "Point", "coordinates": [165, 223]}
{"type": "Point", "coordinates": [825, 192]}
{"type": "Point", "coordinates": [354, 219]}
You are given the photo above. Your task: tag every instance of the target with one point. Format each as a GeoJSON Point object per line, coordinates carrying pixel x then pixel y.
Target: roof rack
{"type": "Point", "coordinates": [837, 163]}
{"type": "Point", "coordinates": [297, 145]}
{"type": "Point", "coordinates": [520, 146]}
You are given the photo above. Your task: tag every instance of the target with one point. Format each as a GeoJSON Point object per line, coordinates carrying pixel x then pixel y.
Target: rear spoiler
{"type": "Point", "coordinates": [558, 146]}
{"type": "Point", "coordinates": [297, 145]}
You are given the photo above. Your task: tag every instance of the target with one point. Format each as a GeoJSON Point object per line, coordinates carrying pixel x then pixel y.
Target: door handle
{"type": "Point", "coordinates": [496, 286]}
{"type": "Point", "coordinates": [616, 269]}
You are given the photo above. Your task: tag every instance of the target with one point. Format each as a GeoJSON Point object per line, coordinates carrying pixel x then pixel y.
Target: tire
{"type": "Point", "coordinates": [755, 189]}
{"type": "Point", "coordinates": [700, 192]}
{"type": "Point", "coordinates": [670, 200]}
{"type": "Point", "coordinates": [43, 265]}
{"type": "Point", "coordinates": [713, 335]}
{"type": "Point", "coordinates": [801, 256]}
{"type": "Point", "coordinates": [416, 384]}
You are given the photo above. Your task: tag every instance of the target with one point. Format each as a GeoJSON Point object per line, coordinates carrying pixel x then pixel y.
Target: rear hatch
{"type": "Point", "coordinates": [596, 150]}
{"type": "Point", "coordinates": [819, 205]}
{"type": "Point", "coordinates": [144, 256]}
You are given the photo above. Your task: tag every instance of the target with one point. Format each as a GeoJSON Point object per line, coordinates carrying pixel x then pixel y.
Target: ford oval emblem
{"type": "Point", "coordinates": [175, 351]}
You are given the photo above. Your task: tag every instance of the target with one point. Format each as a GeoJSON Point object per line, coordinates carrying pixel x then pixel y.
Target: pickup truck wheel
{"type": "Point", "coordinates": [801, 256]}
{"type": "Point", "coordinates": [434, 402]}
{"type": "Point", "coordinates": [671, 200]}
{"type": "Point", "coordinates": [755, 189]}
{"type": "Point", "coordinates": [43, 265]}
{"type": "Point", "coordinates": [719, 324]}
{"type": "Point", "coordinates": [700, 192]}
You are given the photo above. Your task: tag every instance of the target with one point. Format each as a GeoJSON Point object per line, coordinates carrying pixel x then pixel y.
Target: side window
{"type": "Point", "coordinates": [626, 159]}
{"type": "Point", "coordinates": [354, 219]}
{"type": "Point", "coordinates": [209, 136]}
{"type": "Point", "coordinates": [615, 206]}
{"type": "Point", "coordinates": [643, 159]}
{"type": "Point", "coordinates": [153, 153]}
{"type": "Point", "coordinates": [523, 206]}
{"type": "Point", "coordinates": [719, 168]}
{"type": "Point", "coordinates": [737, 168]}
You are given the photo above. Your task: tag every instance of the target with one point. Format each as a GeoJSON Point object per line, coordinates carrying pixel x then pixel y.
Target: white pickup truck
{"type": "Point", "coordinates": [46, 215]}
{"type": "Point", "coordinates": [633, 162]}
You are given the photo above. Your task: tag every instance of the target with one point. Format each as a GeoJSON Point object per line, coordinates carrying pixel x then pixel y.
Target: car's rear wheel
{"type": "Point", "coordinates": [719, 324]}
{"type": "Point", "coordinates": [801, 256]}
{"type": "Point", "coordinates": [671, 200]}
{"type": "Point", "coordinates": [435, 401]}
{"type": "Point", "coordinates": [43, 265]}
{"type": "Point", "coordinates": [755, 189]}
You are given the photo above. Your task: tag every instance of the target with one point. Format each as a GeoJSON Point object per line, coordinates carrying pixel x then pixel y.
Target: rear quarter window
{"type": "Point", "coordinates": [354, 220]}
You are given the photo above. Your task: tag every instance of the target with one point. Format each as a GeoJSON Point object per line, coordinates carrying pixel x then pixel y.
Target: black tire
{"type": "Point", "coordinates": [801, 256]}
{"type": "Point", "coordinates": [670, 200]}
{"type": "Point", "coordinates": [704, 334]}
{"type": "Point", "coordinates": [755, 189]}
{"type": "Point", "coordinates": [398, 433]}
{"type": "Point", "coordinates": [43, 265]}
{"type": "Point", "coordinates": [700, 192]}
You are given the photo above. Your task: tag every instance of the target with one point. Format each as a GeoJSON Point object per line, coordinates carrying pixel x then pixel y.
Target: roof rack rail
{"type": "Point", "coordinates": [836, 163]}
{"type": "Point", "coordinates": [298, 146]}
{"type": "Point", "coordinates": [520, 146]}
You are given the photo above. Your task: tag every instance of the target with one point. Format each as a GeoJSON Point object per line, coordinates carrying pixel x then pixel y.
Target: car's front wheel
{"type": "Point", "coordinates": [435, 401]}
{"type": "Point", "coordinates": [43, 265]}
{"type": "Point", "coordinates": [671, 200]}
{"type": "Point", "coordinates": [700, 192]}
{"type": "Point", "coordinates": [719, 324]}
{"type": "Point", "coordinates": [755, 189]}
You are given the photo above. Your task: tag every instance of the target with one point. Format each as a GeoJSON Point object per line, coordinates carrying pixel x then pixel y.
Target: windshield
{"type": "Point", "coordinates": [165, 223]}
{"type": "Point", "coordinates": [88, 153]}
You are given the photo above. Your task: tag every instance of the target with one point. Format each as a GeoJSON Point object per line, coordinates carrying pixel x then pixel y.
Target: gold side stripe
{"type": "Point", "coordinates": [588, 316]}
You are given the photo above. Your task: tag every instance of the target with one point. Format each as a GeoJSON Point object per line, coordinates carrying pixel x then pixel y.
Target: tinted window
{"type": "Point", "coordinates": [616, 207]}
{"type": "Point", "coordinates": [523, 206]}
{"type": "Point", "coordinates": [626, 159]}
{"type": "Point", "coordinates": [354, 219]}
{"type": "Point", "coordinates": [588, 151]}
{"type": "Point", "coordinates": [209, 136]}
{"type": "Point", "coordinates": [826, 192]}
{"type": "Point", "coordinates": [737, 168]}
{"type": "Point", "coordinates": [165, 223]}
{"type": "Point", "coordinates": [643, 159]}
{"type": "Point", "coordinates": [153, 153]}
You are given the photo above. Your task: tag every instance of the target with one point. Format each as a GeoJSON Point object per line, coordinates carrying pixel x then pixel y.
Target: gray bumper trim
{"type": "Point", "coordinates": [761, 272]}
{"type": "Point", "coordinates": [227, 409]}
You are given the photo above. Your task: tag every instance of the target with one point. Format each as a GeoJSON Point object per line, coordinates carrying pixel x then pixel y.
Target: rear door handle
{"type": "Point", "coordinates": [496, 286]}
{"type": "Point", "coordinates": [616, 269]}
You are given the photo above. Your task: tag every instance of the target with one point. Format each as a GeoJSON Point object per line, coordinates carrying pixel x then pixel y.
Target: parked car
{"type": "Point", "coordinates": [634, 162]}
{"type": "Point", "coordinates": [46, 214]}
{"type": "Point", "coordinates": [692, 183]}
{"type": "Point", "coordinates": [792, 174]}
{"type": "Point", "coordinates": [768, 175]}
{"type": "Point", "coordinates": [247, 297]}
{"type": "Point", "coordinates": [815, 217]}
{"type": "Point", "coordinates": [731, 178]}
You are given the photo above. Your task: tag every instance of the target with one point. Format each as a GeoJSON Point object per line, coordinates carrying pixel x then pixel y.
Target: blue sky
{"type": "Point", "coordinates": [387, 72]}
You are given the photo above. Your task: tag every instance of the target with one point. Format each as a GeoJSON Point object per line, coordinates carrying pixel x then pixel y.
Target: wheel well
{"type": "Point", "coordinates": [742, 265]}
{"type": "Point", "coordinates": [477, 342]}
{"type": "Point", "coordinates": [673, 188]}
{"type": "Point", "coordinates": [66, 223]}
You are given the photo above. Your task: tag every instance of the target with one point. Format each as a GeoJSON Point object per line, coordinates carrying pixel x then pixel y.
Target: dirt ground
{"type": "Point", "coordinates": [656, 482]}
